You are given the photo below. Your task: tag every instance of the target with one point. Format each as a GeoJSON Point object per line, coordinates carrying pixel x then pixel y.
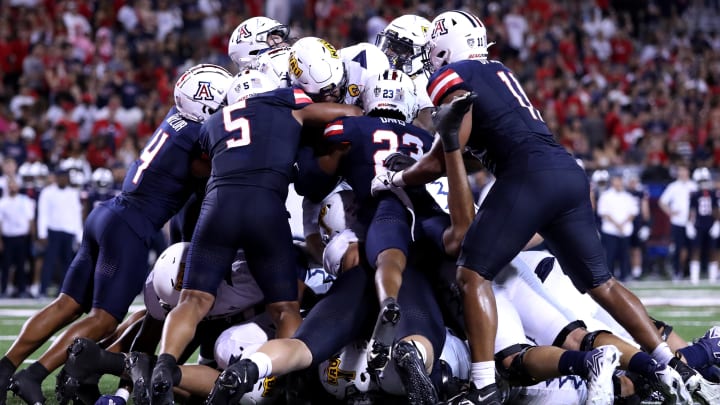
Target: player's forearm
{"type": "Point", "coordinates": [428, 168]}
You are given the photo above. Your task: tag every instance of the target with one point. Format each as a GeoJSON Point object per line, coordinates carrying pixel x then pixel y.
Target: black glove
{"type": "Point", "coordinates": [398, 161]}
{"type": "Point", "coordinates": [448, 117]}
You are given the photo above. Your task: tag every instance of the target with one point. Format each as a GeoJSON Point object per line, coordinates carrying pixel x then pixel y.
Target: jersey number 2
{"type": "Point", "coordinates": [231, 125]}
{"type": "Point", "coordinates": [393, 139]}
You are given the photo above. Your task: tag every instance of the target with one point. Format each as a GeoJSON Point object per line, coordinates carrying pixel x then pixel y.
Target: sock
{"type": "Point", "coordinates": [696, 356]}
{"type": "Point", "coordinates": [263, 362]}
{"type": "Point", "coordinates": [642, 364]}
{"type": "Point", "coordinates": [7, 367]}
{"type": "Point", "coordinates": [111, 363]}
{"type": "Point", "coordinates": [694, 271]}
{"type": "Point", "coordinates": [122, 393]}
{"type": "Point", "coordinates": [483, 373]}
{"type": "Point", "coordinates": [169, 361]}
{"type": "Point", "coordinates": [662, 353]}
{"type": "Point", "coordinates": [713, 272]}
{"type": "Point", "coordinates": [572, 362]}
{"type": "Point", "coordinates": [421, 350]}
{"type": "Point", "coordinates": [37, 372]}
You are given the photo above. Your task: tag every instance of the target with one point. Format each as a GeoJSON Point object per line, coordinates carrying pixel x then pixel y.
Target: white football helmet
{"type": "Point", "coordinates": [253, 37]}
{"type": "Point", "coordinates": [391, 90]}
{"type": "Point", "coordinates": [335, 250]}
{"type": "Point", "coordinates": [26, 175]}
{"type": "Point", "coordinates": [404, 41]}
{"type": "Point", "coordinates": [275, 63]}
{"type": "Point", "coordinates": [201, 90]}
{"type": "Point", "coordinates": [39, 173]}
{"type": "Point", "coordinates": [248, 83]}
{"type": "Point", "coordinates": [337, 213]}
{"type": "Point", "coordinates": [316, 67]}
{"type": "Point", "coordinates": [168, 274]}
{"type": "Point", "coordinates": [238, 342]}
{"type": "Point", "coordinates": [703, 177]}
{"type": "Point", "coordinates": [345, 373]}
{"type": "Point", "coordinates": [456, 35]}
{"type": "Point", "coordinates": [102, 178]}
{"type": "Point", "coordinates": [76, 171]}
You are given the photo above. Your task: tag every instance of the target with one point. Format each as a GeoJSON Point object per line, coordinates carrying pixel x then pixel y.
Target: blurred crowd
{"type": "Point", "coordinates": [627, 86]}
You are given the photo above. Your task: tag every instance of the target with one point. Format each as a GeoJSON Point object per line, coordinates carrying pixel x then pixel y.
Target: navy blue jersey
{"type": "Point", "coordinates": [703, 202]}
{"type": "Point", "coordinates": [159, 182]}
{"type": "Point", "coordinates": [372, 139]}
{"type": "Point", "coordinates": [508, 134]}
{"type": "Point", "coordinates": [254, 142]}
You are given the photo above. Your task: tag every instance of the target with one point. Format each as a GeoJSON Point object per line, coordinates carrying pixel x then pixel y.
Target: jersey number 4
{"type": "Point", "coordinates": [394, 140]}
{"type": "Point", "coordinates": [517, 91]}
{"type": "Point", "coordinates": [149, 153]}
{"type": "Point", "coordinates": [232, 125]}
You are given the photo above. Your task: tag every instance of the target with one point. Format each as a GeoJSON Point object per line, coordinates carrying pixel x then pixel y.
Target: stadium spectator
{"type": "Point", "coordinates": [17, 219]}
{"type": "Point", "coordinates": [59, 223]}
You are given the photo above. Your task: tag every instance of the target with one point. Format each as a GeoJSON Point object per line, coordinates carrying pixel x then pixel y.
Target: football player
{"type": "Point", "coordinates": [702, 228]}
{"type": "Point", "coordinates": [107, 272]}
{"type": "Point", "coordinates": [404, 42]}
{"type": "Point", "coordinates": [539, 188]}
{"type": "Point", "coordinates": [252, 161]}
{"type": "Point", "coordinates": [253, 37]}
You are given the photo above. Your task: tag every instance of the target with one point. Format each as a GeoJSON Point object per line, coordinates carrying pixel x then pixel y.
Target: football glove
{"type": "Point", "coordinates": [448, 117]}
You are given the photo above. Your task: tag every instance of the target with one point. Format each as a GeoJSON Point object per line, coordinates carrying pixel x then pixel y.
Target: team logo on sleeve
{"type": "Point", "coordinates": [203, 92]}
{"type": "Point", "coordinates": [354, 90]}
{"type": "Point", "coordinates": [268, 386]}
{"type": "Point", "coordinates": [439, 29]}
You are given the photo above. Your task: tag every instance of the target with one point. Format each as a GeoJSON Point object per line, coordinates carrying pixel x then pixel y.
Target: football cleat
{"type": "Point", "coordinates": [139, 367]}
{"type": "Point", "coordinates": [29, 390]}
{"type": "Point", "coordinates": [418, 386]}
{"type": "Point", "coordinates": [690, 377]}
{"type": "Point", "coordinates": [707, 393]}
{"type": "Point", "coordinates": [162, 385]}
{"type": "Point", "coordinates": [110, 400]}
{"type": "Point", "coordinates": [601, 363]}
{"type": "Point", "coordinates": [671, 384]}
{"type": "Point", "coordinates": [488, 395]}
{"type": "Point", "coordinates": [383, 336]}
{"type": "Point", "coordinates": [238, 379]}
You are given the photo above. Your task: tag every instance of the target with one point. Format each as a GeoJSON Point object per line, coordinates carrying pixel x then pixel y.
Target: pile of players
{"type": "Point", "coordinates": [387, 317]}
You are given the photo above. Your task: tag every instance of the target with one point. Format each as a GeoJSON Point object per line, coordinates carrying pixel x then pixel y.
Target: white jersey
{"type": "Point", "coordinates": [367, 55]}
{"type": "Point", "coordinates": [356, 78]}
{"type": "Point", "coordinates": [423, 99]}
{"type": "Point", "coordinates": [293, 205]}
{"type": "Point", "coordinates": [243, 294]}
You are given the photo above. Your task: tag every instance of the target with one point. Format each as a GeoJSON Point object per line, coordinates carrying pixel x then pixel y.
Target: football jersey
{"type": "Point", "coordinates": [159, 182]}
{"type": "Point", "coordinates": [369, 56]}
{"type": "Point", "coordinates": [508, 134]}
{"type": "Point", "coordinates": [254, 141]}
{"type": "Point", "coordinates": [704, 202]}
{"type": "Point", "coordinates": [373, 139]}
{"type": "Point", "coordinates": [356, 78]}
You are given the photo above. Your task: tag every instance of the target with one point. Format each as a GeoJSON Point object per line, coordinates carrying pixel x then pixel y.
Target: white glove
{"type": "Point", "coordinates": [644, 233]}
{"type": "Point", "coordinates": [715, 230]}
{"type": "Point", "coordinates": [690, 231]}
{"type": "Point", "coordinates": [386, 181]}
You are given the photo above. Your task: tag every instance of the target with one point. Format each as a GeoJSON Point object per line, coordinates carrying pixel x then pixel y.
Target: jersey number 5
{"type": "Point", "coordinates": [393, 140]}
{"type": "Point", "coordinates": [231, 125]}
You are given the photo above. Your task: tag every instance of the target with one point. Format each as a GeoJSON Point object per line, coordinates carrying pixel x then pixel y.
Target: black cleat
{"type": "Point", "coordinates": [162, 386]}
{"type": "Point", "coordinates": [383, 337]}
{"type": "Point", "coordinates": [29, 390]}
{"type": "Point", "coordinates": [488, 395]}
{"type": "Point", "coordinates": [238, 379]}
{"type": "Point", "coordinates": [418, 386]}
{"type": "Point", "coordinates": [4, 384]}
{"type": "Point", "coordinates": [139, 367]}
{"type": "Point", "coordinates": [79, 377]}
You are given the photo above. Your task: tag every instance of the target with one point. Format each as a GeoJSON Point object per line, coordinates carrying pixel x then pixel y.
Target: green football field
{"type": "Point", "coordinates": [692, 310]}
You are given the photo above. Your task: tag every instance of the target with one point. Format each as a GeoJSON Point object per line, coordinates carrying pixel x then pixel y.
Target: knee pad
{"type": "Point", "coordinates": [664, 328]}
{"type": "Point", "coordinates": [516, 374]}
{"type": "Point", "coordinates": [588, 342]}
{"type": "Point", "coordinates": [562, 336]}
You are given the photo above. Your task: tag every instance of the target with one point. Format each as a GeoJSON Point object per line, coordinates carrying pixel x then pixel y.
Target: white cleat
{"type": "Point", "coordinates": [601, 366]}
{"type": "Point", "coordinates": [673, 386]}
